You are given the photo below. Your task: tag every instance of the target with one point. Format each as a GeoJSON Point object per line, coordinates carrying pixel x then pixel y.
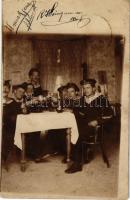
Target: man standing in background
{"type": "Point", "coordinates": [34, 76]}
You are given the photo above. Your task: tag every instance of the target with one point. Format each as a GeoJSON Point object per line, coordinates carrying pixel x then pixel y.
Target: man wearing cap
{"type": "Point", "coordinates": [93, 106]}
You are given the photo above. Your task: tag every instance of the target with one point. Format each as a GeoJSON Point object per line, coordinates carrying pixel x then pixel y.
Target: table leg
{"type": "Point", "coordinates": [68, 138]}
{"type": "Point", "coordinates": [23, 160]}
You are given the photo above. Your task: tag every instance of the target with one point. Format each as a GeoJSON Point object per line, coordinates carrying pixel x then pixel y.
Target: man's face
{"type": "Point", "coordinates": [29, 89]}
{"type": "Point", "coordinates": [35, 77]}
{"type": "Point", "coordinates": [6, 91]}
{"type": "Point", "coordinates": [71, 92]}
{"type": "Point", "coordinates": [64, 93]}
{"type": "Point", "coordinates": [19, 93]}
{"type": "Point", "coordinates": [88, 90]}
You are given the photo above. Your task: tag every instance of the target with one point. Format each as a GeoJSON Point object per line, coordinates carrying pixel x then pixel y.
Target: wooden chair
{"type": "Point", "coordinates": [97, 139]}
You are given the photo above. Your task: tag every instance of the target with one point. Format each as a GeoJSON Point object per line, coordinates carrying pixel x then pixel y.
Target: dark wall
{"type": "Point", "coordinates": [60, 59]}
{"type": "Point", "coordinates": [98, 52]}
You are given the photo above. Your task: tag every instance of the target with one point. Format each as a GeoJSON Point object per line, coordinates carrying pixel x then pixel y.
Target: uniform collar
{"type": "Point", "coordinates": [36, 86]}
{"type": "Point", "coordinates": [90, 99]}
{"type": "Point", "coordinates": [18, 101]}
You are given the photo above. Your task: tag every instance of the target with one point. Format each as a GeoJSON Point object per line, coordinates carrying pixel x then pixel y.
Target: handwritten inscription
{"type": "Point", "coordinates": [60, 17]}
{"type": "Point", "coordinates": [25, 17]}
{"type": "Point", "coordinates": [47, 17]}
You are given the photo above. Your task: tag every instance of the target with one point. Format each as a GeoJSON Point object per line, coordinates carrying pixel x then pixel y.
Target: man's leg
{"type": "Point", "coordinates": [78, 154]}
{"type": "Point", "coordinates": [76, 157]}
{"type": "Point", "coordinates": [33, 145]}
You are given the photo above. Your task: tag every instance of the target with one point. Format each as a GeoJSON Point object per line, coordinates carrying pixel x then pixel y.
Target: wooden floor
{"type": "Point", "coordinates": [49, 179]}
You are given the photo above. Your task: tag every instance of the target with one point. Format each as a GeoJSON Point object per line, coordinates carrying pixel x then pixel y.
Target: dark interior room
{"type": "Point", "coordinates": [62, 59]}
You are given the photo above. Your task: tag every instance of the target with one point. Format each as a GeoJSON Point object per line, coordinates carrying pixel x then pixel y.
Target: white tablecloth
{"type": "Point", "coordinates": [45, 121]}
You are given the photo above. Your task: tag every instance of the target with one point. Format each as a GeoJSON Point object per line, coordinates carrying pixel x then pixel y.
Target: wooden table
{"type": "Point", "coordinates": [35, 122]}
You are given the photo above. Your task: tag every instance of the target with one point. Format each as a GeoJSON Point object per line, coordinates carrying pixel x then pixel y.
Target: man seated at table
{"type": "Point", "coordinates": [29, 91]}
{"type": "Point", "coordinates": [72, 100]}
{"type": "Point", "coordinates": [55, 140]}
{"type": "Point", "coordinates": [88, 115]}
{"type": "Point", "coordinates": [33, 104]}
{"type": "Point", "coordinates": [11, 108]}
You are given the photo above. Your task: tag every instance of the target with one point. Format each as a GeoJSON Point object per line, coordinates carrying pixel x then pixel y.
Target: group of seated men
{"type": "Point", "coordinates": [29, 97]}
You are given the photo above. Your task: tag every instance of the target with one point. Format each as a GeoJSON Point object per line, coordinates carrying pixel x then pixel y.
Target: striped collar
{"type": "Point", "coordinates": [88, 100]}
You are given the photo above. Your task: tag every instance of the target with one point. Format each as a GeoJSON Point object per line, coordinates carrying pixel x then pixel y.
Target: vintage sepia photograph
{"type": "Point", "coordinates": [61, 114]}
{"type": "Point", "coordinates": [64, 97]}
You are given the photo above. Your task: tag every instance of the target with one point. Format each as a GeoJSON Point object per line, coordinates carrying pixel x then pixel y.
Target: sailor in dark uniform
{"type": "Point", "coordinates": [6, 131]}
{"type": "Point", "coordinates": [69, 99]}
{"type": "Point", "coordinates": [56, 139]}
{"type": "Point", "coordinates": [93, 106]}
{"type": "Point", "coordinates": [11, 108]}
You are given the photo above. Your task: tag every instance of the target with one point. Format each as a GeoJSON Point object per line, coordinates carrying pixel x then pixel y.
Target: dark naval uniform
{"type": "Point", "coordinates": [90, 109]}
{"type": "Point", "coordinates": [37, 91]}
{"type": "Point", "coordinates": [10, 112]}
